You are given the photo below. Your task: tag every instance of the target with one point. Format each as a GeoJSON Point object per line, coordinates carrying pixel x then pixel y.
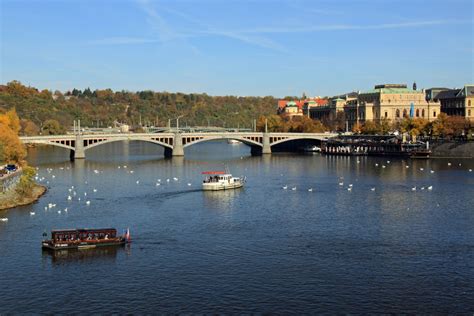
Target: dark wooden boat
{"type": "Point", "coordinates": [84, 238]}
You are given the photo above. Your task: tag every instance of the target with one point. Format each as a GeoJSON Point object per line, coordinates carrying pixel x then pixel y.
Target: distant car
{"type": "Point", "coordinates": [10, 167]}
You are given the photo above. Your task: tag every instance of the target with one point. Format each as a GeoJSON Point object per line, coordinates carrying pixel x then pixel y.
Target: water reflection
{"type": "Point", "coordinates": [221, 201]}
{"type": "Point", "coordinates": [65, 256]}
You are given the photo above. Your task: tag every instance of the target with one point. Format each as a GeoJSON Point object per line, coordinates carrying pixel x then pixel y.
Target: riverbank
{"type": "Point", "coordinates": [12, 199]}
{"type": "Point", "coordinates": [452, 149]}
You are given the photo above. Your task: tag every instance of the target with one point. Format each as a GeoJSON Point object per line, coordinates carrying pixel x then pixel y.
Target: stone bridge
{"type": "Point", "coordinates": [173, 143]}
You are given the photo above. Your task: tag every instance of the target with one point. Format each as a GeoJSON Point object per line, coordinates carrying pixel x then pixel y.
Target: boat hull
{"type": "Point", "coordinates": [220, 186]}
{"type": "Point", "coordinates": [81, 246]}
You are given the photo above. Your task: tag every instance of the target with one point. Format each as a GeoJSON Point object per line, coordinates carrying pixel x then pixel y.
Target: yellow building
{"type": "Point", "coordinates": [292, 109]}
{"type": "Point", "coordinates": [386, 101]}
{"type": "Point", "coordinates": [392, 102]}
{"type": "Point", "coordinates": [458, 102]}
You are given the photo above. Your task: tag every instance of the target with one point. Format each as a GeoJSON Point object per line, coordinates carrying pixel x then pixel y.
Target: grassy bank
{"type": "Point", "coordinates": [26, 191]}
{"type": "Point", "coordinates": [13, 198]}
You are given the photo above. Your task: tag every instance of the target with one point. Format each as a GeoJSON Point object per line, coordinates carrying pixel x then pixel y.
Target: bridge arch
{"type": "Point", "coordinates": [118, 139]}
{"type": "Point", "coordinates": [292, 138]}
{"type": "Point", "coordinates": [246, 141]}
{"type": "Point", "coordinates": [49, 143]}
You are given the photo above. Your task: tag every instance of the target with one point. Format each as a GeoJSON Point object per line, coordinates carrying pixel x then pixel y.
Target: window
{"type": "Point", "coordinates": [417, 112]}
{"type": "Point", "coordinates": [469, 112]}
{"type": "Point", "coordinates": [386, 114]}
{"type": "Point", "coordinates": [397, 113]}
{"type": "Point", "coordinates": [469, 103]}
{"type": "Point", "coordinates": [434, 113]}
{"type": "Point", "coordinates": [423, 113]}
{"type": "Point", "coordinates": [405, 114]}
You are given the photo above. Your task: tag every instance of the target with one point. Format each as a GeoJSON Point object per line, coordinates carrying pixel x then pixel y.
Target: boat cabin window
{"type": "Point", "coordinates": [83, 235]}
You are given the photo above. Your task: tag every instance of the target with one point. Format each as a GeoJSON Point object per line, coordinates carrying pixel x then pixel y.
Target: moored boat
{"type": "Point", "coordinates": [84, 238]}
{"type": "Point", "coordinates": [221, 180]}
{"type": "Point", "coordinates": [311, 149]}
{"type": "Point", "coordinates": [233, 142]}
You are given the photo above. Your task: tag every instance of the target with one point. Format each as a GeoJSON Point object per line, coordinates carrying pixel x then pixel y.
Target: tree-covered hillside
{"type": "Point", "coordinates": [104, 107]}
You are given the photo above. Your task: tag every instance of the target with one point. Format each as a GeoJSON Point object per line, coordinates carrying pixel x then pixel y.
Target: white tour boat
{"type": "Point", "coordinates": [221, 180]}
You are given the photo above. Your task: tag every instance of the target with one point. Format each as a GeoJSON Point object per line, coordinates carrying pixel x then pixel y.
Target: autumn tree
{"type": "Point", "coordinates": [274, 123]}
{"type": "Point", "coordinates": [11, 148]}
{"type": "Point", "coordinates": [357, 128]}
{"type": "Point", "coordinates": [458, 125]}
{"type": "Point", "coordinates": [340, 121]}
{"type": "Point", "coordinates": [440, 126]}
{"type": "Point", "coordinates": [384, 126]}
{"type": "Point", "coordinates": [26, 183]}
{"type": "Point", "coordinates": [370, 128]}
{"type": "Point", "coordinates": [29, 128]}
{"type": "Point", "coordinates": [52, 127]}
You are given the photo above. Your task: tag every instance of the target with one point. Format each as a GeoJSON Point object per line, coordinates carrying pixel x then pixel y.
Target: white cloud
{"type": "Point", "coordinates": [122, 41]}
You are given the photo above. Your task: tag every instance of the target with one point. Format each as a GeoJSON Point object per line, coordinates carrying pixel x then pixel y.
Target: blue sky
{"type": "Point", "coordinates": [237, 47]}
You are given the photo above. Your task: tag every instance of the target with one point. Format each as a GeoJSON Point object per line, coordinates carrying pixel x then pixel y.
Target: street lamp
{"type": "Point", "coordinates": [177, 122]}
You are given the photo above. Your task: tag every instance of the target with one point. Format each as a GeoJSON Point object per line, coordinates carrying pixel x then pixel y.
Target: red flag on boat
{"type": "Point", "coordinates": [127, 235]}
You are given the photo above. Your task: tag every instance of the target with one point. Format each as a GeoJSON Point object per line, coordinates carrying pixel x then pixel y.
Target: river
{"type": "Point", "coordinates": [258, 249]}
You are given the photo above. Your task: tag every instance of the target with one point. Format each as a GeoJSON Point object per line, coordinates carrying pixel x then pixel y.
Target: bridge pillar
{"type": "Point", "coordinates": [266, 149]}
{"type": "Point", "coordinates": [79, 152]}
{"type": "Point", "coordinates": [178, 149]}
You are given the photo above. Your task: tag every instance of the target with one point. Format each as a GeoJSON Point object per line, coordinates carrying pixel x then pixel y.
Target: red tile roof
{"type": "Point", "coordinates": [282, 104]}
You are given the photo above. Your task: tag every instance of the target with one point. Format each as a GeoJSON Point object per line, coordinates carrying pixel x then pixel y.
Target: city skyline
{"type": "Point", "coordinates": [276, 48]}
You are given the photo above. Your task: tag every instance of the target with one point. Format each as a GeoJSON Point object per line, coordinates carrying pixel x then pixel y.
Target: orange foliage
{"type": "Point", "coordinates": [11, 148]}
